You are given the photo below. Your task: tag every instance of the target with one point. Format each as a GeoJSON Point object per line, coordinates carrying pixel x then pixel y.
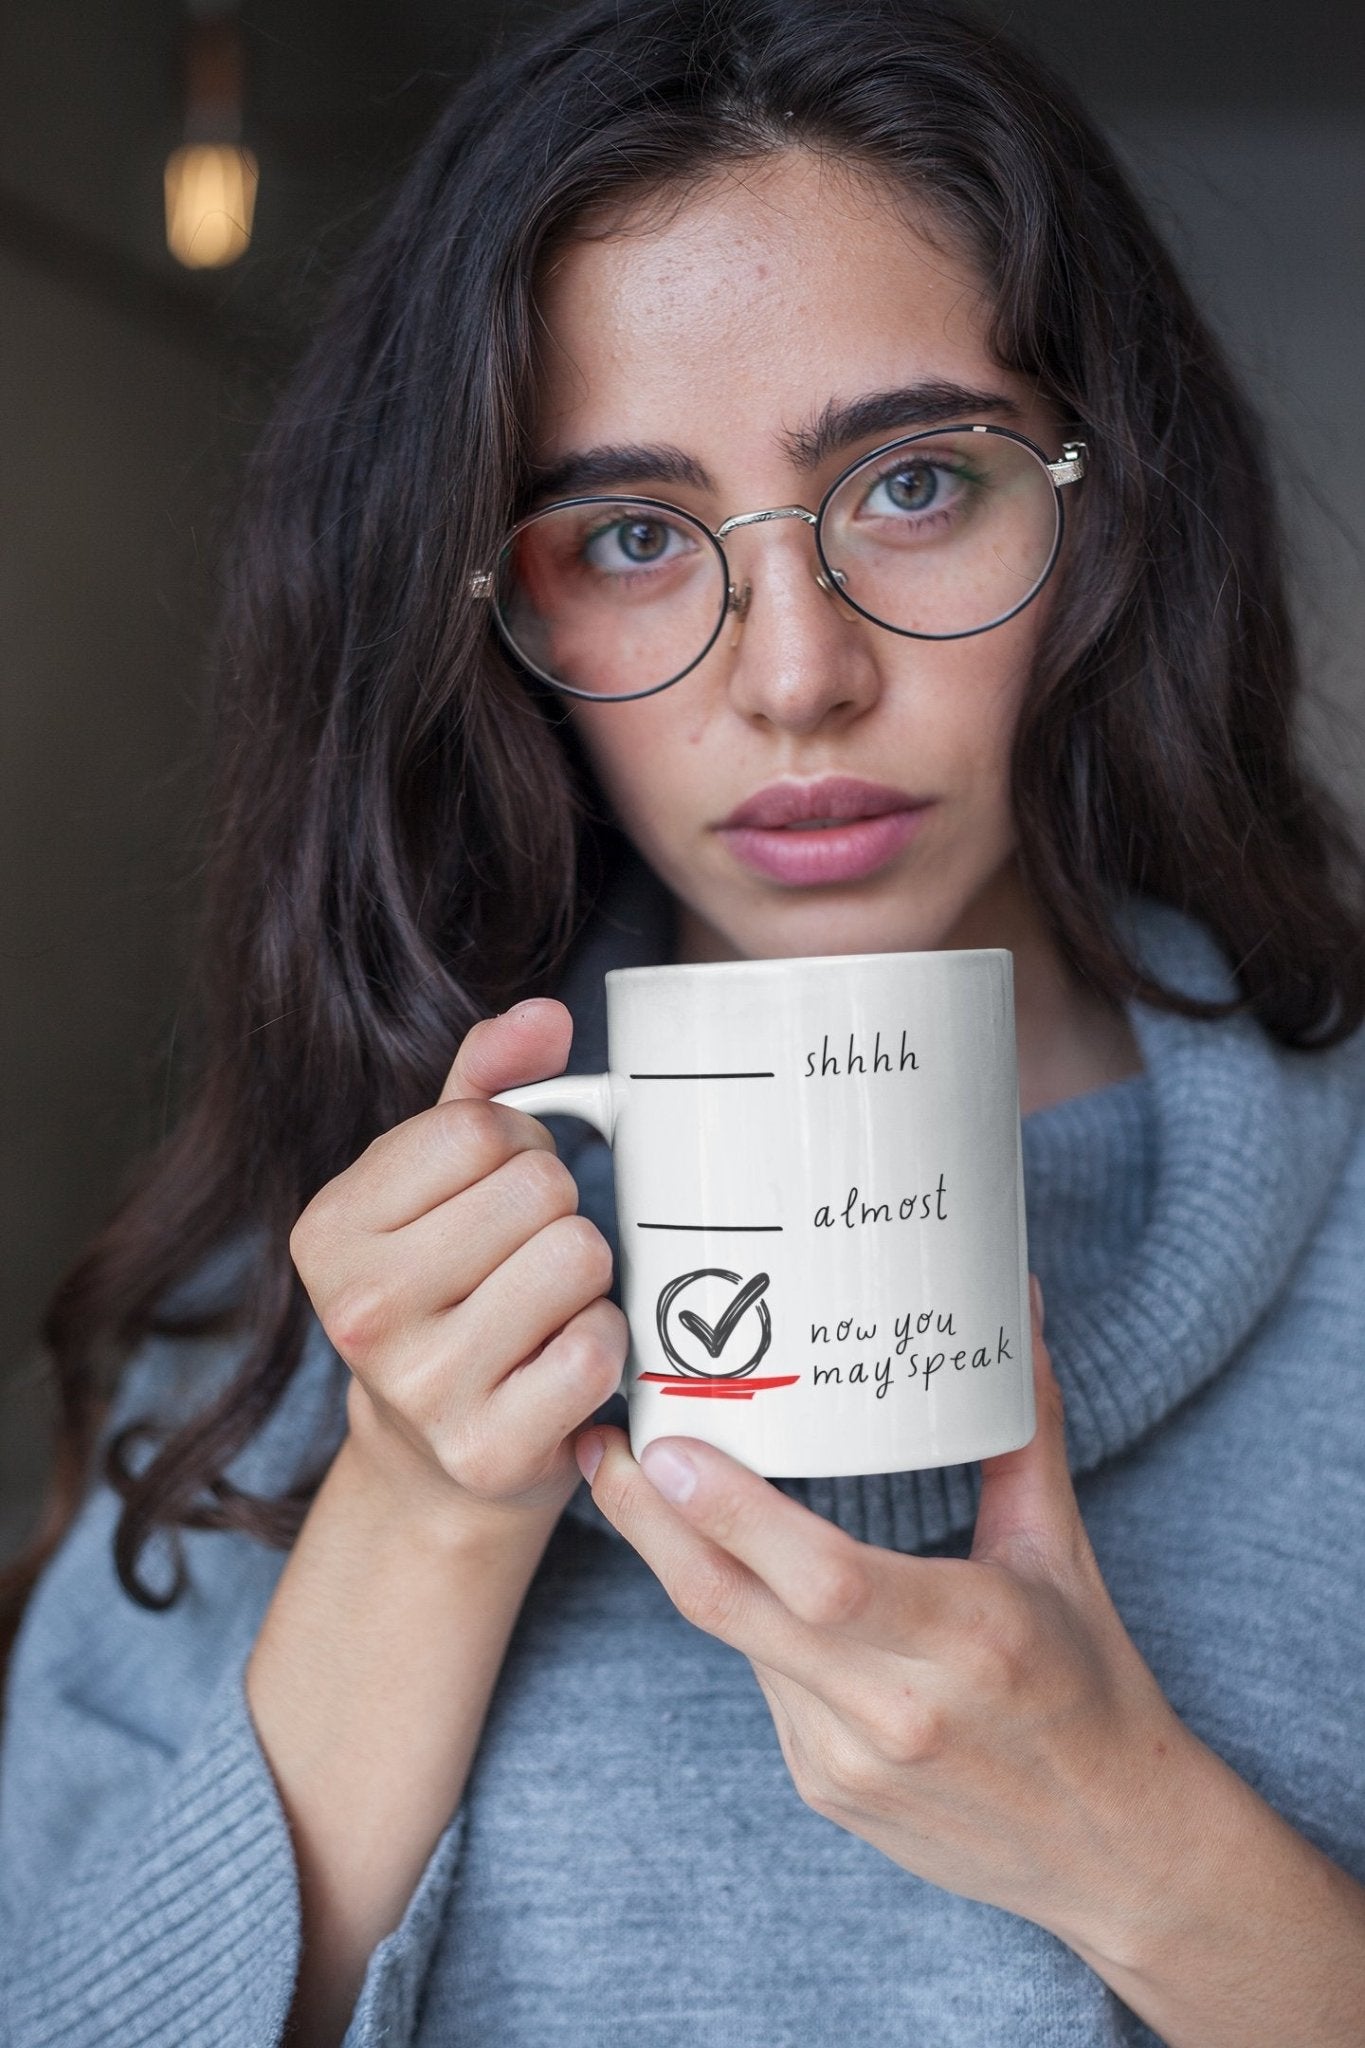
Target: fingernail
{"type": "Point", "coordinates": [670, 1472]}
{"type": "Point", "coordinates": [588, 1451]}
{"type": "Point", "coordinates": [1035, 1288]}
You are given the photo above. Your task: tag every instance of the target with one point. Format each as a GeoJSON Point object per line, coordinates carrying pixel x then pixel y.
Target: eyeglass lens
{"type": "Point", "coordinates": [938, 537]}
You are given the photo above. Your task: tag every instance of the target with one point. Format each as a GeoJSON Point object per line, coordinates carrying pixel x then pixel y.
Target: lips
{"type": "Point", "coordinates": [833, 797]}
{"type": "Point", "coordinates": [838, 828]}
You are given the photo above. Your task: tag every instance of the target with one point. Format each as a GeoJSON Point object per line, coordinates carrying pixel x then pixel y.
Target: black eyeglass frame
{"type": "Point", "coordinates": [1069, 469]}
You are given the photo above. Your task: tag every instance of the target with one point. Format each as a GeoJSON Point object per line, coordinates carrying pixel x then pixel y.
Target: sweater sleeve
{"type": "Point", "coordinates": [148, 1886]}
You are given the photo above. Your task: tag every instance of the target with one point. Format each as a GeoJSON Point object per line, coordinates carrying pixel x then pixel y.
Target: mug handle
{"type": "Point", "coordinates": [594, 1097]}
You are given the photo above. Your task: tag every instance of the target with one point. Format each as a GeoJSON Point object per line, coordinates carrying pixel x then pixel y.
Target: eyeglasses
{"type": "Point", "coordinates": [937, 536]}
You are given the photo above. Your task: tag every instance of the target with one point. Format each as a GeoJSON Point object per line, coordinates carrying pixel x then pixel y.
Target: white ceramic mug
{"type": "Point", "coordinates": [820, 1196]}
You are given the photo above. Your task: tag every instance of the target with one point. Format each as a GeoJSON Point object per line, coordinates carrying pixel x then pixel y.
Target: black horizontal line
{"type": "Point", "coordinates": [708, 1226]}
{"type": "Point", "coordinates": [761, 1076]}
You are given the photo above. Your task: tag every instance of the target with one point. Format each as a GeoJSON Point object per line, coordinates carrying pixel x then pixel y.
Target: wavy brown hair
{"type": "Point", "coordinates": [404, 835]}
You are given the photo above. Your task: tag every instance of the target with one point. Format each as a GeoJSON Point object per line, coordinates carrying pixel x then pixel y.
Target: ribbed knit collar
{"type": "Point", "coordinates": [1165, 1211]}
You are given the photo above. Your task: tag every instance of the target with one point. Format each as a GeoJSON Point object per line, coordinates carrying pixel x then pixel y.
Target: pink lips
{"type": "Point", "coordinates": [873, 823]}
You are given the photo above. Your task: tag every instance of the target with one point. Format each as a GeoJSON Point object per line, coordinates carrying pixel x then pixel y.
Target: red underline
{"type": "Point", "coordinates": [722, 1390]}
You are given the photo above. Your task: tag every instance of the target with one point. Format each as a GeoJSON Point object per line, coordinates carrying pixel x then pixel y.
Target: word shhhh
{"type": "Point", "coordinates": [854, 1061]}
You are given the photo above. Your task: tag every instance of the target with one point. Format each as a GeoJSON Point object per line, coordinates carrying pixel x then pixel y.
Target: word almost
{"type": "Point", "coordinates": [854, 1061]}
{"type": "Point", "coordinates": [907, 1208]}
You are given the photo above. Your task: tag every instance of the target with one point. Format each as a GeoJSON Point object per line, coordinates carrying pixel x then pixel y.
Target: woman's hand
{"type": "Point", "coordinates": [985, 1722]}
{"type": "Point", "coordinates": [451, 1271]}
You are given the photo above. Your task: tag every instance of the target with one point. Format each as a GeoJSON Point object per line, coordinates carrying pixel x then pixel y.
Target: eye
{"type": "Point", "coordinates": [634, 540]}
{"type": "Point", "coordinates": [917, 486]}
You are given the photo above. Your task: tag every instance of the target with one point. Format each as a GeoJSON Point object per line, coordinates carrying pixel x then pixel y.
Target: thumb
{"type": "Point", "coordinates": [529, 1042]}
{"type": "Point", "coordinates": [1028, 1501]}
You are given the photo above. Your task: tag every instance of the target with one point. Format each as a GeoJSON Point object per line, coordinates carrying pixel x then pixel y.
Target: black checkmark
{"type": "Point", "coordinates": [716, 1339]}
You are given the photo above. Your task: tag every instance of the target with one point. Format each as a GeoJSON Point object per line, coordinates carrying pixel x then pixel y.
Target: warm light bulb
{"type": "Point", "coordinates": [210, 199]}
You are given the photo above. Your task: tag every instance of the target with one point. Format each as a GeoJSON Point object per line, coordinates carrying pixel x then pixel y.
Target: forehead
{"type": "Point", "coordinates": [748, 303]}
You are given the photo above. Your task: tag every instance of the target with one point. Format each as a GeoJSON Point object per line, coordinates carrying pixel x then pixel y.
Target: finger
{"type": "Point", "coordinates": [443, 1255]}
{"type": "Point", "coordinates": [1028, 1501]}
{"type": "Point", "coordinates": [819, 1572]}
{"type": "Point", "coordinates": [529, 1042]}
{"type": "Point", "coordinates": [424, 1161]}
{"type": "Point", "coordinates": [409, 1171]}
{"type": "Point", "coordinates": [811, 1569]}
{"type": "Point", "coordinates": [711, 1588]}
{"type": "Point", "coordinates": [548, 1394]}
{"type": "Point", "coordinates": [530, 1295]}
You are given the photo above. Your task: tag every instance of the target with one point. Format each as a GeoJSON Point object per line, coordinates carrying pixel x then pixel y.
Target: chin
{"type": "Point", "coordinates": [803, 930]}
{"type": "Point", "coordinates": [905, 912]}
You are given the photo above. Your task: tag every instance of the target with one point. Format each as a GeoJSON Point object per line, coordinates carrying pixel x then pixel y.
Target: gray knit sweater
{"type": "Point", "coordinates": [630, 1863]}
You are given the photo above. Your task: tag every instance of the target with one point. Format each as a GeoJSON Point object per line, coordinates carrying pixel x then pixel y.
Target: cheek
{"type": "Point", "coordinates": [961, 704]}
{"type": "Point", "coordinates": [634, 751]}
{"type": "Point", "coordinates": [997, 745]}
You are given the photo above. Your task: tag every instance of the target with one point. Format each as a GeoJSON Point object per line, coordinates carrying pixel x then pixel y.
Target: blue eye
{"type": "Point", "coordinates": [635, 542]}
{"type": "Point", "coordinates": [915, 487]}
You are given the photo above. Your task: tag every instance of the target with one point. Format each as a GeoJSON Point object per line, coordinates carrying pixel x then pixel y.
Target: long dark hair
{"type": "Point", "coordinates": [405, 837]}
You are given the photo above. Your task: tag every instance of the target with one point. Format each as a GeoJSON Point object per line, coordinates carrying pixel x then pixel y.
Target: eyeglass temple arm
{"type": "Point", "coordinates": [1071, 468]}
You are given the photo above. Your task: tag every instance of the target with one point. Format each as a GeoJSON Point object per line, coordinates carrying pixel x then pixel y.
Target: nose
{"type": "Point", "coordinates": [797, 654]}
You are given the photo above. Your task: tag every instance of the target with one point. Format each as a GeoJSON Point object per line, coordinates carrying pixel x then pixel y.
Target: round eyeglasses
{"type": "Point", "coordinates": [938, 535]}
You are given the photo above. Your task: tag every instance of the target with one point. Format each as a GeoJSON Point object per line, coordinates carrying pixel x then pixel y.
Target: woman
{"type": "Point", "coordinates": [1056, 1749]}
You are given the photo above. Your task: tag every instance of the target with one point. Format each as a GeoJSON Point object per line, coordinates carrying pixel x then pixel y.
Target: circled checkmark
{"type": "Point", "coordinates": [716, 1339]}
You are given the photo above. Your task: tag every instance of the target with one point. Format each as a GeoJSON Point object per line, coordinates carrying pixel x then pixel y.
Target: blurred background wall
{"type": "Point", "coordinates": [130, 388]}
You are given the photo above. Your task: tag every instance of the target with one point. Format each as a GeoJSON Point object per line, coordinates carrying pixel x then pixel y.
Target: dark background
{"type": "Point", "coordinates": [129, 389]}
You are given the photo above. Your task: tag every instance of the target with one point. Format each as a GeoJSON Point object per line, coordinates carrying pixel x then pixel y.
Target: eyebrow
{"type": "Point", "coordinates": [838, 426]}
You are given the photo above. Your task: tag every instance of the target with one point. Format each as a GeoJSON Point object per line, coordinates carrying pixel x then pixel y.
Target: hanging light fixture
{"type": "Point", "coordinates": [211, 179]}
